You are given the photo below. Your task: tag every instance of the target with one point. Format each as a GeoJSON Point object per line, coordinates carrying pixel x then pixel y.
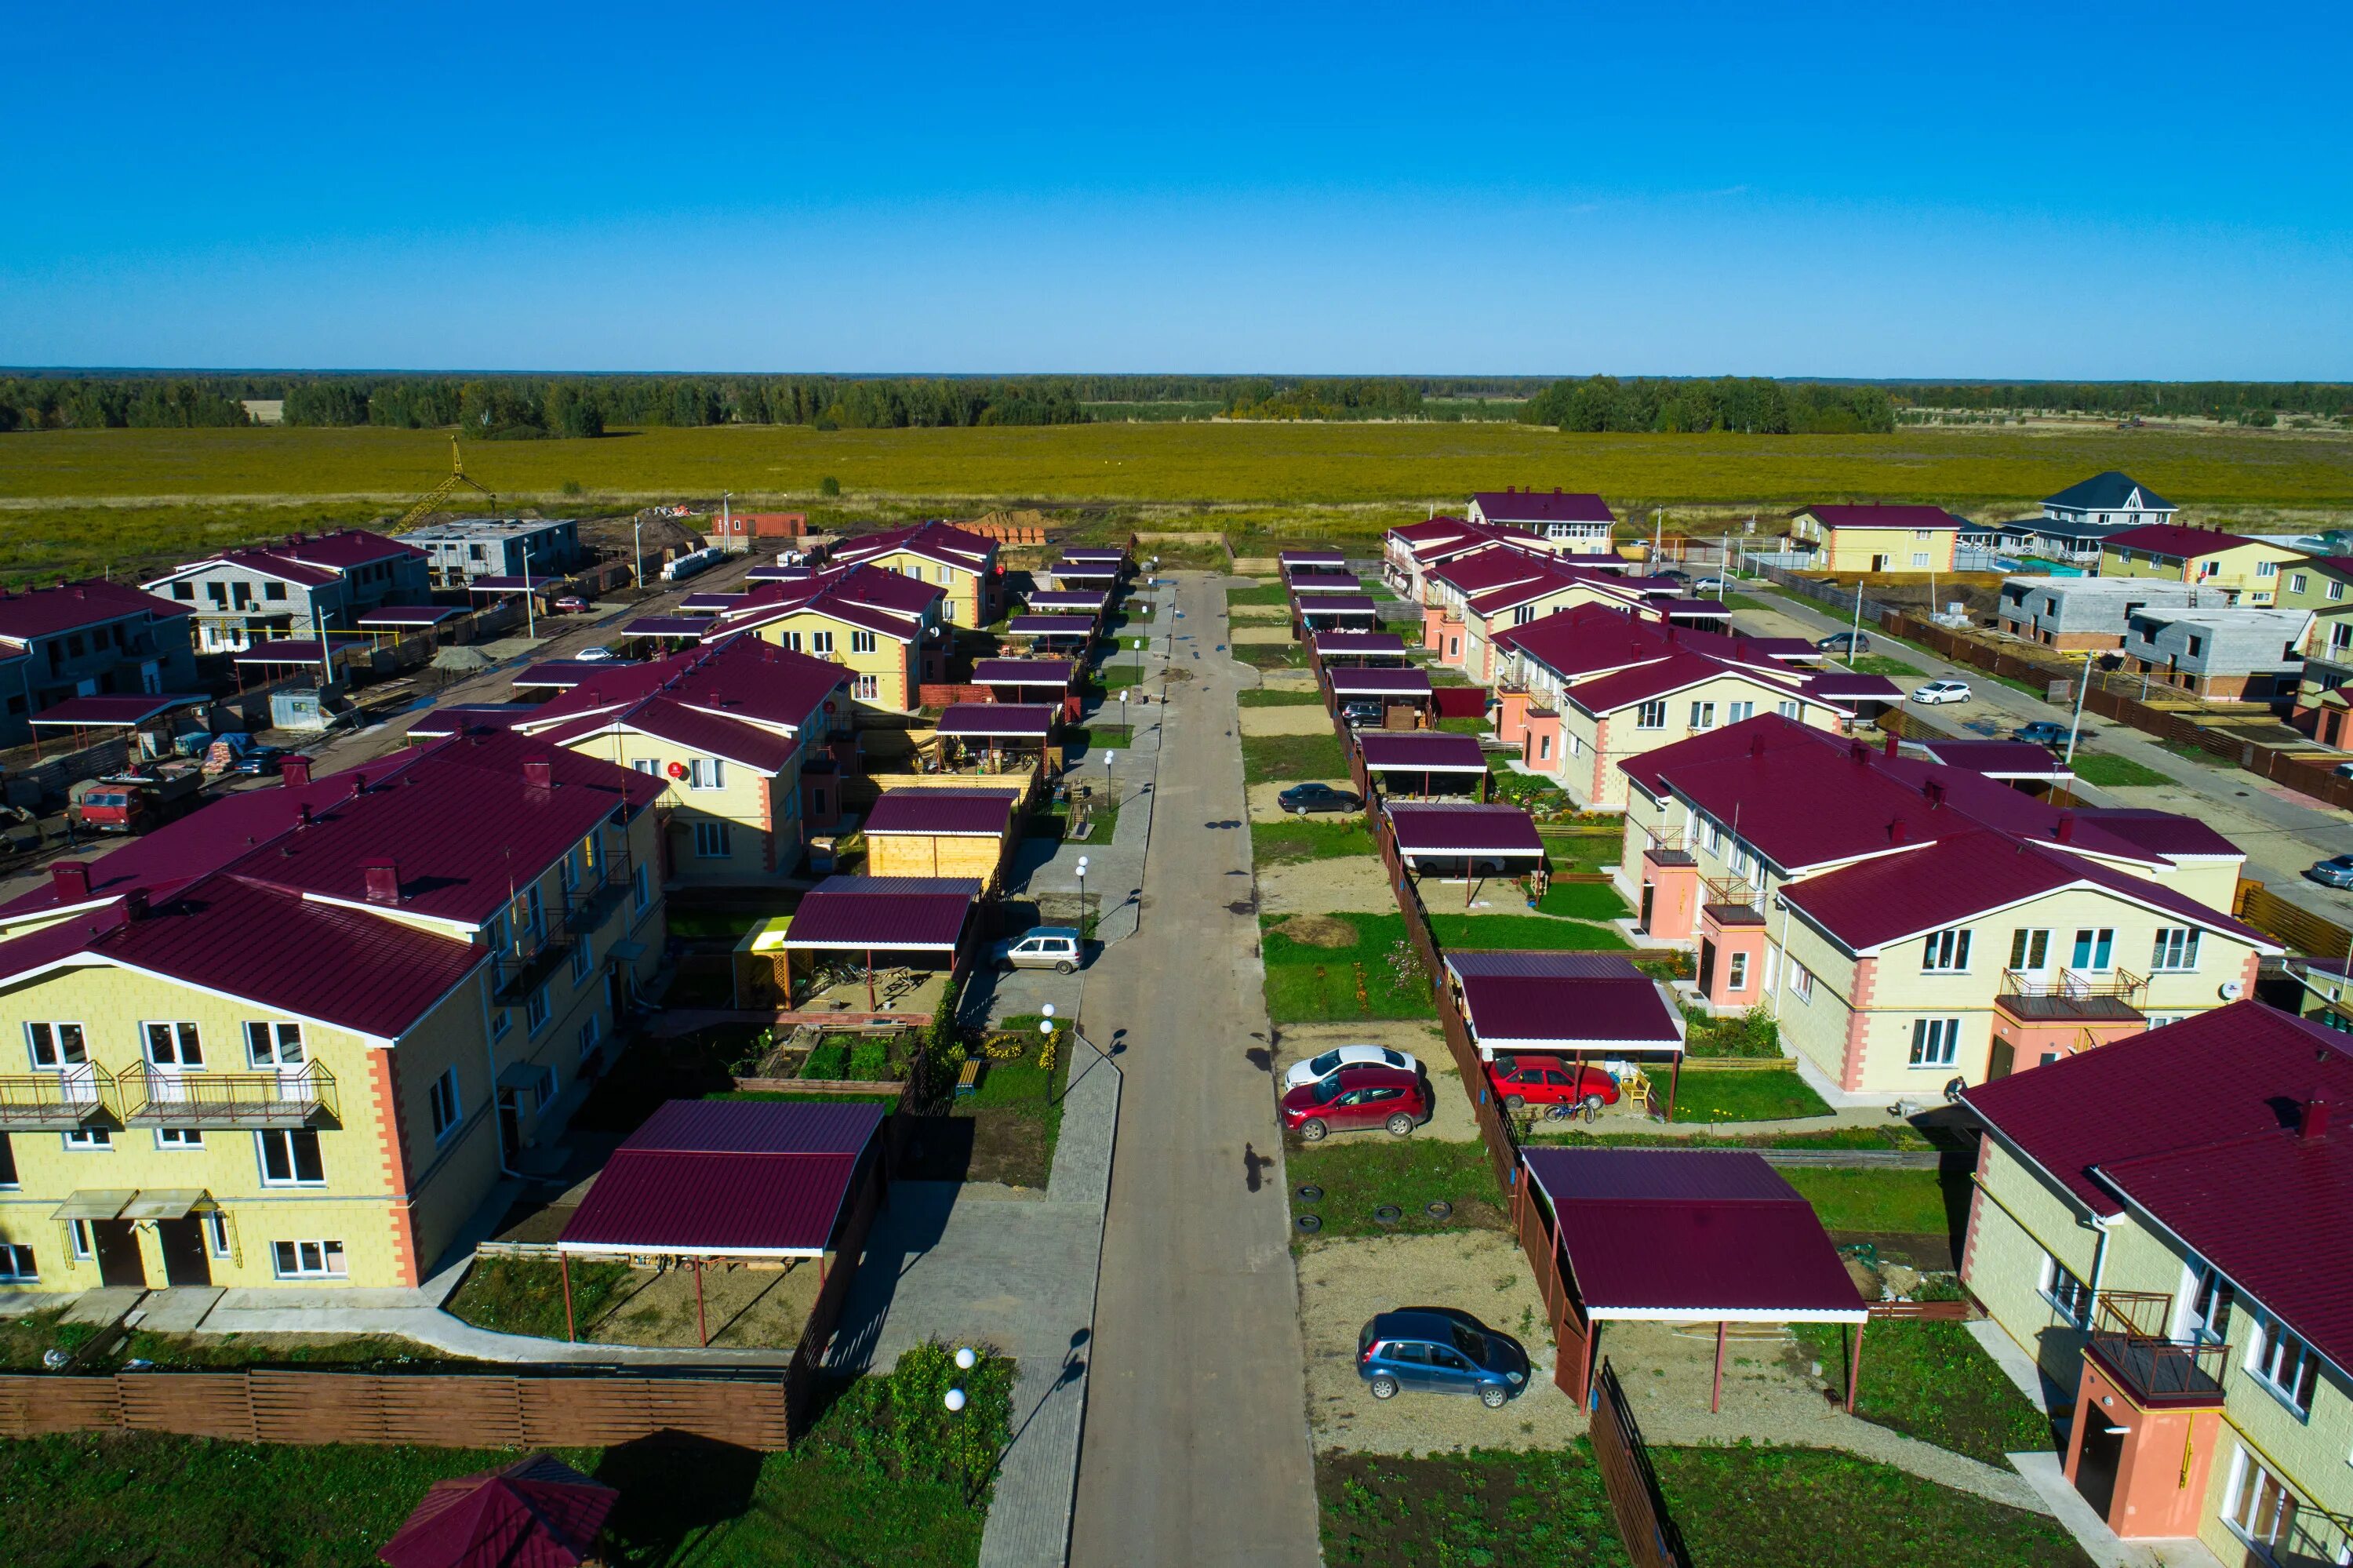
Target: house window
{"type": "Point", "coordinates": [712, 841]}
{"type": "Point", "coordinates": [2176, 949]}
{"type": "Point", "coordinates": [1921, 535]}
{"type": "Point", "coordinates": [58, 1046]}
{"type": "Point", "coordinates": [705, 773]}
{"type": "Point", "coordinates": [534, 1010]}
{"type": "Point", "coordinates": [1737, 980]}
{"type": "Point", "coordinates": [217, 1233]}
{"type": "Point", "coordinates": [16, 1263]}
{"type": "Point", "coordinates": [1945, 952]}
{"type": "Point", "coordinates": [309, 1259]}
{"type": "Point", "coordinates": [443, 1098]}
{"type": "Point", "coordinates": [8, 1182]}
{"type": "Point", "coordinates": [642, 888]}
{"type": "Point", "coordinates": [501, 1021]}
{"type": "Point", "coordinates": [273, 1044]}
{"type": "Point", "coordinates": [178, 1138]}
{"type": "Point", "coordinates": [862, 643]}
{"type": "Point", "coordinates": [1936, 1042]}
{"type": "Point", "coordinates": [866, 688]}
{"type": "Point", "coordinates": [2070, 1295]}
{"type": "Point", "coordinates": [584, 959]}
{"type": "Point", "coordinates": [2197, 646]}
{"type": "Point", "coordinates": [2266, 568]}
{"type": "Point", "coordinates": [2284, 1363]}
{"type": "Point", "coordinates": [2210, 1307]}
{"type": "Point", "coordinates": [2296, 582]}
{"type": "Point", "coordinates": [289, 1157]}
{"type": "Point", "coordinates": [1792, 710]}
{"type": "Point", "coordinates": [2336, 590]}
{"type": "Point", "coordinates": [1801, 982]}
{"type": "Point", "coordinates": [273, 590]}
{"type": "Point", "coordinates": [2262, 1510]}
{"type": "Point", "coordinates": [1919, 560]}
{"type": "Point", "coordinates": [1703, 716]}
{"type": "Point", "coordinates": [1523, 614]}
{"type": "Point", "coordinates": [81, 1239]}
{"type": "Point", "coordinates": [173, 1045]}
{"type": "Point", "coordinates": [643, 765]}
{"type": "Point", "coordinates": [567, 869]}
{"type": "Point", "coordinates": [184, 591]}
{"type": "Point", "coordinates": [1544, 749]}
{"type": "Point", "coordinates": [821, 642]}
{"type": "Point", "coordinates": [1737, 712]}
{"type": "Point", "coordinates": [790, 641]}
{"type": "Point", "coordinates": [589, 1037]}
{"type": "Point", "coordinates": [2095, 950]}
{"type": "Point", "coordinates": [2340, 633]}
{"type": "Point", "coordinates": [88, 1137]}
{"type": "Point", "coordinates": [2029, 951]}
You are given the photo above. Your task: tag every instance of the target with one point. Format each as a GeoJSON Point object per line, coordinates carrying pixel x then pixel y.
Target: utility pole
{"type": "Point", "coordinates": [1856, 635]}
{"type": "Point", "coordinates": [637, 552]}
{"type": "Point", "coordinates": [529, 621]}
{"type": "Point", "coordinates": [2082, 683]}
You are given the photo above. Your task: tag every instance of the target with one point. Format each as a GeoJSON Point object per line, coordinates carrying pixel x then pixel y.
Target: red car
{"type": "Point", "coordinates": [572, 604]}
{"type": "Point", "coordinates": [1357, 1096]}
{"type": "Point", "coordinates": [1524, 1081]}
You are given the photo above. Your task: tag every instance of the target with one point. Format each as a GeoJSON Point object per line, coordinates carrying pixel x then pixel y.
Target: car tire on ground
{"type": "Point", "coordinates": [1065, 967]}
{"type": "Point", "coordinates": [1493, 1395]}
{"type": "Point", "coordinates": [1312, 1129]}
{"type": "Point", "coordinates": [1516, 1103]}
{"type": "Point", "coordinates": [1400, 1124]}
{"type": "Point", "coordinates": [1593, 1104]}
{"type": "Point", "coordinates": [1384, 1388]}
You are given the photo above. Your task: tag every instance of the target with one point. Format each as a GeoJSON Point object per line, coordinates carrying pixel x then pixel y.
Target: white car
{"type": "Point", "coordinates": [1316, 1068]}
{"type": "Point", "coordinates": [595, 654]}
{"type": "Point", "coordinates": [1943, 691]}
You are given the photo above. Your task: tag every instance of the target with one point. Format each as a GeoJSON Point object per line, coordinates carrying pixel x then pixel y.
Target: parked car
{"type": "Point", "coordinates": [2043, 732]}
{"type": "Point", "coordinates": [1944, 692]}
{"type": "Point", "coordinates": [1672, 574]}
{"type": "Point", "coordinates": [260, 762]}
{"type": "Point", "coordinates": [1302, 798]}
{"type": "Point", "coordinates": [595, 654]}
{"type": "Point", "coordinates": [572, 604]}
{"type": "Point", "coordinates": [1313, 1068]}
{"type": "Point", "coordinates": [1845, 642]}
{"type": "Point", "coordinates": [1707, 588]}
{"type": "Point", "coordinates": [1439, 1349]}
{"type": "Point", "coordinates": [2336, 871]}
{"type": "Point", "coordinates": [1355, 1097]}
{"type": "Point", "coordinates": [1524, 1081]}
{"type": "Point", "coordinates": [1357, 714]}
{"type": "Point", "coordinates": [1052, 948]}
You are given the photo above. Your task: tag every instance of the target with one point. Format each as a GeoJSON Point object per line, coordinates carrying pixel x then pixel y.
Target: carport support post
{"type": "Point", "coordinates": [1716, 1389]}
{"type": "Point", "coordinates": [702, 1331]}
{"type": "Point", "coordinates": [1855, 1369]}
{"type": "Point", "coordinates": [1674, 1082]}
{"type": "Point", "coordinates": [564, 1261]}
{"type": "Point", "coordinates": [869, 979]}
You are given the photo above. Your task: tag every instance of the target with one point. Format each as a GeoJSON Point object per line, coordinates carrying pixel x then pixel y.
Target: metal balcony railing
{"type": "Point", "coordinates": [2075, 984]}
{"type": "Point", "coordinates": [1735, 891]}
{"type": "Point", "coordinates": [591, 903]}
{"type": "Point", "coordinates": [2129, 1340]}
{"type": "Point", "coordinates": [528, 963]}
{"type": "Point", "coordinates": [59, 1101]}
{"type": "Point", "coordinates": [298, 1097]}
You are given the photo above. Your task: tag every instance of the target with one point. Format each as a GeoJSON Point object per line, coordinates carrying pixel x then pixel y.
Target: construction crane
{"type": "Point", "coordinates": [431, 499]}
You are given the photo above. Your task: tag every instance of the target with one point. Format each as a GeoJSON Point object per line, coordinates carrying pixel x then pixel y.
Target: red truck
{"type": "Point", "coordinates": [135, 802]}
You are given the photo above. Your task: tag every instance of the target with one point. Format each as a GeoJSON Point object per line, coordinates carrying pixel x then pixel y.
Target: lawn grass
{"type": "Point", "coordinates": [1501, 933]}
{"type": "Point", "coordinates": [1811, 1507]}
{"type": "Point", "coordinates": [1581, 851]}
{"type": "Point", "coordinates": [1375, 975]}
{"type": "Point", "coordinates": [1546, 1508]}
{"type": "Point", "coordinates": [1277, 697]}
{"type": "Point", "coordinates": [1095, 735]}
{"type": "Point", "coordinates": [1894, 669]}
{"type": "Point", "coordinates": [1467, 724]}
{"type": "Point", "coordinates": [1296, 839]}
{"type": "Point", "coordinates": [526, 1295]}
{"type": "Point", "coordinates": [1265, 593]}
{"type": "Point", "coordinates": [202, 1351]}
{"type": "Point", "coordinates": [2106, 772]}
{"type": "Point", "coordinates": [1361, 1171]}
{"type": "Point", "coordinates": [1112, 677]}
{"type": "Point", "coordinates": [1272, 655]}
{"type": "Point", "coordinates": [27, 1337]}
{"type": "Point", "coordinates": [1293, 757]}
{"type": "Point", "coordinates": [882, 1477]}
{"type": "Point", "coordinates": [1749, 1095]}
{"type": "Point", "coordinates": [1584, 900]}
{"type": "Point", "coordinates": [1906, 1202]}
{"type": "Point", "coordinates": [1933, 1382]}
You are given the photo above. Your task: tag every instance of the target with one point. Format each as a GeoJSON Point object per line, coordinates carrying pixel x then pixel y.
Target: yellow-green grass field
{"type": "Point", "coordinates": [75, 500]}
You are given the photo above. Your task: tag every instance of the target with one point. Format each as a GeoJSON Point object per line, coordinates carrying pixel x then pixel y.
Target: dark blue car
{"type": "Point", "coordinates": [1436, 1350]}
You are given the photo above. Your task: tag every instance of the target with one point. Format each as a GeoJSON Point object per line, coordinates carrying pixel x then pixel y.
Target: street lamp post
{"type": "Point", "coordinates": [1082, 891]}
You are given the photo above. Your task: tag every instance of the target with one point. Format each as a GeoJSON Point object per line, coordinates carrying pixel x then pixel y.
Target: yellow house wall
{"type": "Point", "coordinates": [1815, 1028]}
{"type": "Point", "coordinates": [2234, 568]}
{"type": "Point", "coordinates": [893, 663]}
{"type": "Point", "coordinates": [960, 586]}
{"type": "Point", "coordinates": [743, 800]}
{"type": "Point", "coordinates": [1625, 741]}
{"type": "Point", "coordinates": [1851, 549]}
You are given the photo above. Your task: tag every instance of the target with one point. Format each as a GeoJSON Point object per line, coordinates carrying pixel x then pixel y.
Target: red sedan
{"type": "Point", "coordinates": [1524, 1081]}
{"type": "Point", "coordinates": [1357, 1096]}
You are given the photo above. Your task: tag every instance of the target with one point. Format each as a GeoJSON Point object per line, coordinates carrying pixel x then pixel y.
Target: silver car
{"type": "Point", "coordinates": [1314, 1069]}
{"type": "Point", "coordinates": [1052, 948]}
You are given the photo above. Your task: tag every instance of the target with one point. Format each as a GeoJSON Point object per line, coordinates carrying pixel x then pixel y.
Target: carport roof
{"type": "Point", "coordinates": [1381, 683]}
{"type": "Point", "coordinates": [1708, 1235]}
{"type": "Point", "coordinates": [1338, 604]}
{"type": "Point", "coordinates": [113, 712]}
{"type": "Point", "coordinates": [1422, 751]}
{"type": "Point", "coordinates": [1358, 642]}
{"type": "Point", "coordinates": [1021, 672]}
{"type": "Point", "coordinates": [727, 1179]}
{"type": "Point", "coordinates": [1596, 1004]}
{"type": "Point", "coordinates": [1424, 828]}
{"type": "Point", "coordinates": [1049, 626]}
{"type": "Point", "coordinates": [1024, 721]}
{"type": "Point", "coordinates": [872, 913]}
{"type": "Point", "coordinates": [949, 813]}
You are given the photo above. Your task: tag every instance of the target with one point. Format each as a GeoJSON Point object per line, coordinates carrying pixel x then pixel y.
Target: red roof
{"type": "Point", "coordinates": [99, 712]}
{"type": "Point", "coordinates": [1358, 642]}
{"type": "Point", "coordinates": [1536, 506]}
{"type": "Point", "coordinates": [2159, 832]}
{"type": "Point", "coordinates": [1339, 604]}
{"type": "Point", "coordinates": [1326, 584]}
{"type": "Point", "coordinates": [875, 913]}
{"type": "Point", "coordinates": [45, 613]}
{"type": "Point", "coordinates": [951, 813]}
{"type": "Point", "coordinates": [708, 734]}
{"type": "Point", "coordinates": [1021, 672]}
{"type": "Point", "coordinates": [2173, 539]}
{"type": "Point", "coordinates": [1351, 681]}
{"type": "Point", "coordinates": [934, 540]}
{"type": "Point", "coordinates": [1312, 557]}
{"type": "Point", "coordinates": [1081, 568]}
{"type": "Point", "coordinates": [2233, 1181]}
{"type": "Point", "coordinates": [667, 626]}
{"type": "Point", "coordinates": [2000, 758]}
{"type": "Point", "coordinates": [1592, 1003]}
{"type": "Point", "coordinates": [1645, 683]}
{"type": "Point", "coordinates": [1026, 721]}
{"type": "Point", "coordinates": [727, 1178]}
{"type": "Point", "coordinates": [344, 548]}
{"type": "Point", "coordinates": [1049, 626]}
{"type": "Point", "coordinates": [1492, 569]}
{"type": "Point", "coordinates": [1690, 1233]}
{"type": "Point", "coordinates": [1433, 749]}
{"type": "Point", "coordinates": [538, 1512]}
{"type": "Point", "coordinates": [1424, 828]}
{"type": "Point", "coordinates": [1067, 598]}
{"type": "Point", "coordinates": [1882, 516]}
{"type": "Point", "coordinates": [870, 597]}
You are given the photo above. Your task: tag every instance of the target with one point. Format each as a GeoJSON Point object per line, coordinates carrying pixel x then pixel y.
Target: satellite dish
{"type": "Point", "coordinates": [2233, 991]}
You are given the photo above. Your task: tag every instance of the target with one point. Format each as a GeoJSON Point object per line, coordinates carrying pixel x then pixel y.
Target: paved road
{"type": "Point", "coordinates": [2281, 830]}
{"type": "Point", "coordinates": [1196, 1446]}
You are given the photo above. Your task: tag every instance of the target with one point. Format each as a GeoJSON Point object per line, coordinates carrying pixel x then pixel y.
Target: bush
{"type": "Point", "coordinates": [899, 1427]}
{"type": "Point", "coordinates": [829, 485]}
{"type": "Point", "coordinates": [870, 1061]}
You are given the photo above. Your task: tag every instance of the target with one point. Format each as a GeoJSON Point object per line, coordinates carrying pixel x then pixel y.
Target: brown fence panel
{"type": "Point", "coordinates": [193, 1404]}
{"type": "Point", "coordinates": [2294, 925]}
{"type": "Point", "coordinates": [1652, 1538]}
{"type": "Point", "coordinates": [33, 1407]}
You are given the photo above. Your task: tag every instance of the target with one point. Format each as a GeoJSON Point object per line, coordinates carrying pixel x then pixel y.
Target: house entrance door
{"type": "Point", "coordinates": [1706, 967]}
{"type": "Point", "coordinates": [2096, 1469]}
{"type": "Point", "coordinates": [117, 1246]}
{"type": "Point", "coordinates": [184, 1259]}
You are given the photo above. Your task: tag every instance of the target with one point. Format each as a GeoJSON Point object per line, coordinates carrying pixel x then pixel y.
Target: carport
{"type": "Point", "coordinates": [1069, 573]}
{"type": "Point", "coordinates": [1677, 1235]}
{"type": "Point", "coordinates": [1337, 611]}
{"type": "Point", "coordinates": [1463, 842]}
{"type": "Point", "coordinates": [1067, 601]}
{"type": "Point", "coordinates": [1586, 1006]}
{"type": "Point", "coordinates": [1069, 632]}
{"type": "Point", "coordinates": [1397, 763]}
{"type": "Point", "coordinates": [84, 714]}
{"type": "Point", "coordinates": [398, 620]}
{"type": "Point", "coordinates": [1363, 648]}
{"type": "Point", "coordinates": [996, 731]}
{"type": "Point", "coordinates": [1393, 689]}
{"type": "Point", "coordinates": [298, 653]}
{"type": "Point", "coordinates": [731, 1182]}
{"type": "Point", "coordinates": [922, 923]}
{"type": "Point", "coordinates": [1044, 680]}
{"type": "Point", "coordinates": [669, 631]}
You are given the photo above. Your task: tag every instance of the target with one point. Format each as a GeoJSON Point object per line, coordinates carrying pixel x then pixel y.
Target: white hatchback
{"type": "Point", "coordinates": [1315, 1069]}
{"type": "Point", "coordinates": [1944, 692]}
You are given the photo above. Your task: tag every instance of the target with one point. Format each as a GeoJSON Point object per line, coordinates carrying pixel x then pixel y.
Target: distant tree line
{"type": "Point", "coordinates": [2256, 403]}
{"type": "Point", "coordinates": [1750, 405]}
{"type": "Point", "coordinates": [96, 403]}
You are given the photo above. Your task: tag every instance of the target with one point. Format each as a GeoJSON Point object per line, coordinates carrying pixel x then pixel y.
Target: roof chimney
{"type": "Point", "coordinates": [2314, 1122]}
{"type": "Point", "coordinates": [2064, 828]}
{"type": "Point", "coordinates": [383, 881]}
{"type": "Point", "coordinates": [539, 772]}
{"type": "Point", "coordinates": [69, 880]}
{"type": "Point", "coordinates": [1933, 791]}
{"type": "Point", "coordinates": [1858, 751]}
{"type": "Point", "coordinates": [1894, 745]}
{"type": "Point", "coordinates": [294, 772]}
{"type": "Point", "coordinates": [134, 903]}
{"type": "Point", "coordinates": [1897, 833]}
{"type": "Point", "coordinates": [1757, 743]}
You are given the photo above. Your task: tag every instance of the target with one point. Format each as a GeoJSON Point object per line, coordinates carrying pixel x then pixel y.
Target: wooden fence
{"type": "Point", "coordinates": [2294, 925]}
{"type": "Point", "coordinates": [1652, 1538]}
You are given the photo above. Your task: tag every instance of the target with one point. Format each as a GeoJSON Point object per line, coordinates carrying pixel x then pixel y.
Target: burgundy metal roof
{"type": "Point", "coordinates": [1690, 1233]}
{"type": "Point", "coordinates": [1431, 750]}
{"type": "Point", "coordinates": [1880, 516]}
{"type": "Point", "coordinates": [1067, 567]}
{"type": "Point", "coordinates": [710, 603]}
{"type": "Point", "coordinates": [2159, 832]}
{"type": "Point", "coordinates": [713, 735]}
{"type": "Point", "coordinates": [1349, 683]}
{"type": "Point", "coordinates": [491, 583]}
{"type": "Point", "coordinates": [1525, 1003]}
{"type": "Point", "coordinates": [1340, 604]}
{"type": "Point", "coordinates": [295, 650]}
{"type": "Point", "coordinates": [726, 1177]}
{"type": "Point", "coordinates": [955, 814]}
{"type": "Point", "coordinates": [538, 1512]}
{"type": "Point", "coordinates": [44, 612]}
{"type": "Point", "coordinates": [408, 615]}
{"type": "Point", "coordinates": [1536, 506]}
{"type": "Point", "coordinates": [1324, 582]}
{"type": "Point", "coordinates": [346, 547]}
{"type": "Point", "coordinates": [98, 713]}
{"type": "Point", "coordinates": [1694, 609]}
{"type": "Point", "coordinates": [2174, 539]}
{"type": "Point", "coordinates": [2000, 758]}
{"type": "Point", "coordinates": [1027, 721]}
{"type": "Point", "coordinates": [456, 719]}
{"type": "Point", "coordinates": [1312, 557]}
{"type": "Point", "coordinates": [866, 597]}
{"type": "Point", "coordinates": [1021, 672]}
{"type": "Point", "coordinates": [1664, 677]}
{"type": "Point", "coordinates": [934, 540]}
{"type": "Point", "coordinates": [1049, 626]}
{"type": "Point", "coordinates": [1087, 599]}
{"type": "Point", "coordinates": [1443, 830]}
{"type": "Point", "coordinates": [1540, 964]}
{"type": "Point", "coordinates": [563, 673]}
{"type": "Point", "coordinates": [2234, 1182]}
{"type": "Point", "coordinates": [1094, 552]}
{"type": "Point", "coordinates": [1358, 642]}
{"type": "Point", "coordinates": [667, 626]}
{"type": "Point", "coordinates": [861, 913]}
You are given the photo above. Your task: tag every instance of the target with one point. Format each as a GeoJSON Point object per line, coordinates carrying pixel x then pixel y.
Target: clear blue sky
{"type": "Point", "coordinates": [2050, 189]}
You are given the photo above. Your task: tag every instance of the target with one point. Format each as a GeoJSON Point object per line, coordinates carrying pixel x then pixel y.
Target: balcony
{"type": "Point", "coordinates": [2129, 1342]}
{"type": "Point", "coordinates": [1732, 892]}
{"type": "Point", "coordinates": [59, 1101]}
{"type": "Point", "coordinates": [589, 904]}
{"type": "Point", "coordinates": [2078, 985]}
{"type": "Point", "coordinates": [530, 962]}
{"type": "Point", "coordinates": [292, 1098]}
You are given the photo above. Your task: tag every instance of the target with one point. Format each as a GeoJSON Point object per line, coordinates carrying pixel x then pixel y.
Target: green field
{"type": "Point", "coordinates": [1913, 1202]}
{"type": "Point", "coordinates": [86, 498]}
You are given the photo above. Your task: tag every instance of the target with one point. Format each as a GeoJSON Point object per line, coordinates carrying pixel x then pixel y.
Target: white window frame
{"type": "Point", "coordinates": [1936, 1044]}
{"type": "Point", "coordinates": [56, 1045]}
{"type": "Point", "coordinates": [1651, 715]}
{"type": "Point", "coordinates": [1738, 712]}
{"type": "Point", "coordinates": [2074, 1305]}
{"type": "Point", "coordinates": [18, 1266]}
{"type": "Point", "coordinates": [2244, 1469]}
{"type": "Point", "coordinates": [2335, 590]}
{"type": "Point", "coordinates": [866, 688]}
{"type": "Point", "coordinates": [84, 1139]}
{"type": "Point", "coordinates": [713, 840]}
{"type": "Point", "coordinates": [821, 643]}
{"type": "Point", "coordinates": [217, 1241]}
{"type": "Point", "coordinates": [643, 886]}
{"type": "Point", "coordinates": [2274, 1349]}
{"type": "Point", "coordinates": [180, 1034]}
{"type": "Point", "coordinates": [1801, 982]}
{"type": "Point", "coordinates": [501, 1020]}
{"type": "Point", "coordinates": [2175, 951]}
{"type": "Point", "coordinates": [1793, 710]}
{"type": "Point", "coordinates": [80, 1240]}
{"type": "Point", "coordinates": [1703, 716]}
{"type": "Point", "coordinates": [584, 959]}
{"type": "Point", "coordinates": [1735, 973]}
{"type": "Point", "coordinates": [445, 1105]}
{"type": "Point", "coordinates": [332, 1263]}
{"type": "Point", "coordinates": [2266, 568]}
{"type": "Point", "coordinates": [180, 1139]}
{"type": "Point", "coordinates": [2297, 582]}
{"type": "Point", "coordinates": [590, 1036]}
{"type": "Point", "coordinates": [2030, 948]}
{"type": "Point", "coordinates": [2096, 942]}
{"type": "Point", "coordinates": [862, 643]}
{"type": "Point", "coordinates": [266, 1044]}
{"type": "Point", "coordinates": [1947, 952]}
{"type": "Point", "coordinates": [262, 1139]}
{"type": "Point", "coordinates": [535, 1011]}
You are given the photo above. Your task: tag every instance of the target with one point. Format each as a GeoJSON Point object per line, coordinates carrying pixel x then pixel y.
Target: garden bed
{"type": "Point", "coordinates": [1006, 1129]}
{"type": "Point", "coordinates": [1359, 1171]}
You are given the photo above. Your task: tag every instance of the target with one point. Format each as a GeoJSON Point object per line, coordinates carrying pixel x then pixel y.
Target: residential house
{"type": "Point", "coordinates": [2245, 570]}
{"type": "Point", "coordinates": [963, 566]}
{"type": "Point", "coordinates": [1876, 538]}
{"type": "Point", "coordinates": [1568, 523]}
{"type": "Point", "coordinates": [294, 589]}
{"type": "Point", "coordinates": [2059, 539]}
{"type": "Point", "coordinates": [2241, 655]}
{"type": "Point", "coordinates": [1409, 554]}
{"type": "Point", "coordinates": [2319, 584]}
{"type": "Point", "coordinates": [728, 731]}
{"type": "Point", "coordinates": [464, 549]}
{"type": "Point", "coordinates": [86, 640]}
{"type": "Point", "coordinates": [2078, 614]}
{"type": "Point", "coordinates": [884, 626]}
{"type": "Point", "coordinates": [2109, 500]}
{"type": "Point", "coordinates": [2180, 1280]}
{"type": "Point", "coordinates": [1907, 922]}
{"type": "Point", "coordinates": [1486, 616]}
{"type": "Point", "coordinates": [2326, 983]}
{"type": "Point", "coordinates": [298, 1037]}
{"type": "Point", "coordinates": [1524, 577]}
